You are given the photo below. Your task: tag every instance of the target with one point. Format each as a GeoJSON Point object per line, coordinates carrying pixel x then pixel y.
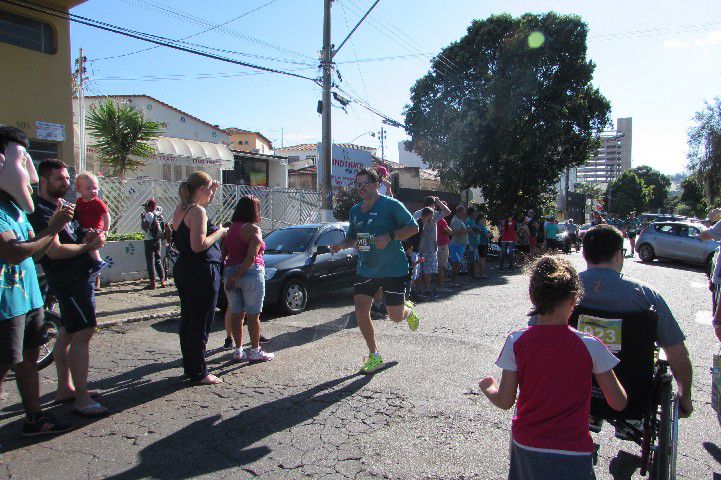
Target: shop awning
{"type": "Point", "coordinates": [179, 151]}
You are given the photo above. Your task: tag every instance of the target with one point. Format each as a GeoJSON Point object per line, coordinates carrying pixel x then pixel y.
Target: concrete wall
{"type": "Point", "coordinates": [126, 261]}
{"type": "Point", "coordinates": [29, 76]}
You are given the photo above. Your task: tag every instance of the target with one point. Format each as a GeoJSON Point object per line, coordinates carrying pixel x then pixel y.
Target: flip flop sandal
{"type": "Point", "coordinates": [91, 410]}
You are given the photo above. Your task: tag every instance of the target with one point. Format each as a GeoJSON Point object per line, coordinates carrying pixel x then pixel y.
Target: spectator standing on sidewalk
{"type": "Point", "coordinates": [69, 269]}
{"type": "Point", "coordinates": [384, 186]}
{"type": "Point", "coordinates": [153, 231]}
{"type": "Point", "coordinates": [714, 233]}
{"type": "Point", "coordinates": [428, 246]}
{"type": "Point", "coordinates": [553, 365]}
{"type": "Point", "coordinates": [524, 239]}
{"type": "Point", "coordinates": [244, 278]}
{"type": "Point", "coordinates": [459, 242]}
{"type": "Point", "coordinates": [21, 303]}
{"type": "Point", "coordinates": [197, 272]}
{"type": "Point", "coordinates": [474, 240]}
{"type": "Point", "coordinates": [509, 237]}
{"type": "Point", "coordinates": [378, 225]}
{"type": "Point", "coordinates": [444, 233]}
{"type": "Point", "coordinates": [483, 244]}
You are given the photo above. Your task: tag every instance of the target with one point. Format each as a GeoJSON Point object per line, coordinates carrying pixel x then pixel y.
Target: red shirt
{"type": "Point", "coordinates": [443, 238]}
{"type": "Point", "coordinates": [89, 213]}
{"type": "Point", "coordinates": [555, 366]}
{"type": "Point", "coordinates": [508, 232]}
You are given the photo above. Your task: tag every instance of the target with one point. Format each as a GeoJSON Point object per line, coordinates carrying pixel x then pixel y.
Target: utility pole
{"type": "Point", "coordinates": [80, 79]}
{"type": "Point", "coordinates": [326, 187]}
{"type": "Point", "coordinates": [382, 134]}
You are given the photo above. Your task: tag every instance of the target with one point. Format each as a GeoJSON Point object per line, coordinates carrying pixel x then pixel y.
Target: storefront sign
{"type": "Point", "coordinates": [346, 163]}
{"type": "Point", "coordinates": [50, 131]}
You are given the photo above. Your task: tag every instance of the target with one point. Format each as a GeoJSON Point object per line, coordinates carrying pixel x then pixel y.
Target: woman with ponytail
{"type": "Point", "coordinates": [197, 272]}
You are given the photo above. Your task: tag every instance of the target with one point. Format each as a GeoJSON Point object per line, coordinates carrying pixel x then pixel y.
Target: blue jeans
{"type": "Point", "coordinates": [248, 292]}
{"type": "Point", "coordinates": [508, 250]}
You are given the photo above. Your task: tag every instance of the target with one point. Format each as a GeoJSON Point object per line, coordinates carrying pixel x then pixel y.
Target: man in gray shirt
{"type": "Point", "coordinates": [429, 238]}
{"type": "Point", "coordinates": [606, 288]}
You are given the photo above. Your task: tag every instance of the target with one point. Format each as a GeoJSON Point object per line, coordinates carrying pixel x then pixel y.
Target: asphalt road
{"type": "Point", "coordinates": [307, 414]}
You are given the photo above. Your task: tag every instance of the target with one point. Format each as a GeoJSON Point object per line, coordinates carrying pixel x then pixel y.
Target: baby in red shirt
{"type": "Point", "coordinates": [91, 212]}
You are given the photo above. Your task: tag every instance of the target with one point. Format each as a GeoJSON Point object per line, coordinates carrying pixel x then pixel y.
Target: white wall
{"type": "Point", "coordinates": [408, 158]}
{"type": "Point", "coordinates": [278, 174]}
{"type": "Point", "coordinates": [126, 261]}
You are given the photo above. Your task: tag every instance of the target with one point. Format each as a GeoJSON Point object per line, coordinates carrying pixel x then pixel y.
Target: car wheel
{"type": "Point", "coordinates": [293, 296]}
{"type": "Point", "coordinates": [646, 253]}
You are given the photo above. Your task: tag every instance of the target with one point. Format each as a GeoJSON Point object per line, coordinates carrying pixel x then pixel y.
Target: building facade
{"type": "Point", "coordinates": [306, 154]}
{"type": "Point", "coordinates": [247, 141]}
{"type": "Point", "coordinates": [612, 158]}
{"type": "Point", "coordinates": [409, 158]}
{"type": "Point", "coordinates": [186, 145]}
{"type": "Point", "coordinates": [35, 49]}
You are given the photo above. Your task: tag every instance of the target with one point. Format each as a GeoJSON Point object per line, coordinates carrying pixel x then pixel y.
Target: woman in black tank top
{"type": "Point", "coordinates": [197, 272]}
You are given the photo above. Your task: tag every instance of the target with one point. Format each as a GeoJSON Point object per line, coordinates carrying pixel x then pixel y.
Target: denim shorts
{"type": "Point", "coordinates": [248, 292]}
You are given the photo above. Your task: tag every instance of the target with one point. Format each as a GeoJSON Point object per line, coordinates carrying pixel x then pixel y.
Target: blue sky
{"type": "Point", "coordinates": [657, 61]}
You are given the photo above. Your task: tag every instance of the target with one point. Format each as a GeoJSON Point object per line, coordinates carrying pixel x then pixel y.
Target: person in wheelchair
{"type": "Point", "coordinates": [607, 289]}
{"type": "Point", "coordinates": [553, 364]}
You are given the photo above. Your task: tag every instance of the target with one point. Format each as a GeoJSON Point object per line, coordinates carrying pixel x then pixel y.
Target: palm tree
{"type": "Point", "coordinates": [122, 136]}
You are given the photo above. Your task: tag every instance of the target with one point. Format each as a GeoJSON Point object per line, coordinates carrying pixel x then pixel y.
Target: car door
{"type": "Point", "coordinates": [335, 266]}
{"type": "Point", "coordinates": [690, 246]}
{"type": "Point", "coordinates": [666, 240]}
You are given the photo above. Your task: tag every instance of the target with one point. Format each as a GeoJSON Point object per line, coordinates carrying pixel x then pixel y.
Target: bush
{"type": "Point", "coordinates": [125, 237]}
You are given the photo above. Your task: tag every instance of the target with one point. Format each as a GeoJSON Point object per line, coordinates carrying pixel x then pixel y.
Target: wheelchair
{"type": "Point", "coordinates": [651, 417]}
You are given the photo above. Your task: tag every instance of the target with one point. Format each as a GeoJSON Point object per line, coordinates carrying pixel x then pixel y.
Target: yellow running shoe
{"type": "Point", "coordinates": [412, 319]}
{"type": "Point", "coordinates": [374, 362]}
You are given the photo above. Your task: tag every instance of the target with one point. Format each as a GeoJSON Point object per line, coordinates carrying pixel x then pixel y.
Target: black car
{"type": "Point", "coordinates": [298, 262]}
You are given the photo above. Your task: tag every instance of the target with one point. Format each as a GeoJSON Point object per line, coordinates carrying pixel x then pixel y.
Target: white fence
{"type": "Point", "coordinates": [279, 206]}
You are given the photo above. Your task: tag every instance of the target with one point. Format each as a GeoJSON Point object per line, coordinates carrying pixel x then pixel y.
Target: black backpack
{"type": "Point", "coordinates": [157, 228]}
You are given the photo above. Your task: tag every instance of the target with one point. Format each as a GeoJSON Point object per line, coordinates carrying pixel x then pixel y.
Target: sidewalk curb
{"type": "Point", "coordinates": [141, 318]}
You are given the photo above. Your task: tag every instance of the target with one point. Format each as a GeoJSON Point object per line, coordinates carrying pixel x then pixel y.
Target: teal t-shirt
{"type": "Point", "coordinates": [485, 236]}
{"type": "Point", "coordinates": [19, 289]}
{"type": "Point", "coordinates": [385, 216]}
{"type": "Point", "coordinates": [552, 230]}
{"type": "Point", "coordinates": [473, 236]}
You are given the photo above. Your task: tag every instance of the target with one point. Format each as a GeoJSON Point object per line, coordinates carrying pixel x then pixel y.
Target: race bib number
{"type": "Point", "coordinates": [365, 240]}
{"type": "Point", "coordinates": [606, 330]}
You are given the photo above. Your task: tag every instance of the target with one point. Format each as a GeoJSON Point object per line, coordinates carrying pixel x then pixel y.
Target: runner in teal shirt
{"type": "Point", "coordinates": [386, 215]}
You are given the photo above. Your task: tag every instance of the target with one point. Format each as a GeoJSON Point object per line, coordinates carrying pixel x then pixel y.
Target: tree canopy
{"type": "Point", "coordinates": [658, 182]}
{"type": "Point", "coordinates": [121, 133]}
{"type": "Point", "coordinates": [627, 193]}
{"type": "Point", "coordinates": [704, 152]}
{"type": "Point", "coordinates": [508, 107]}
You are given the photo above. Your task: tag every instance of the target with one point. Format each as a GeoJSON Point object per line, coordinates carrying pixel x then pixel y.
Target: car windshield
{"type": "Point", "coordinates": [288, 240]}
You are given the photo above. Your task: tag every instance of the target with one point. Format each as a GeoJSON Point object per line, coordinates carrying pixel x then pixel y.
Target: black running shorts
{"type": "Point", "coordinates": [394, 288]}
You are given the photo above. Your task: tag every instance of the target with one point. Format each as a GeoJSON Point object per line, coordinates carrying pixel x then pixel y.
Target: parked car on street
{"type": "Point", "coordinates": [298, 263]}
{"type": "Point", "coordinates": [677, 240]}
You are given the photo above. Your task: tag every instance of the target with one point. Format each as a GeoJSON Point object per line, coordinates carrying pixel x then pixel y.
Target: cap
{"type": "Point", "coordinates": [382, 171]}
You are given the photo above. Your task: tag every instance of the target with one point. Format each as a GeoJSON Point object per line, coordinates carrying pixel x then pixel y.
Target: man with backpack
{"type": "Point", "coordinates": [153, 225]}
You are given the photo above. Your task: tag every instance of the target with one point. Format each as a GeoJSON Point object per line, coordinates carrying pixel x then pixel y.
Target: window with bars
{"type": "Point", "coordinates": [27, 33]}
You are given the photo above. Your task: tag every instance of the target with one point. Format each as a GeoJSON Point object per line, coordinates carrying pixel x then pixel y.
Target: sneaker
{"type": "Point", "coordinates": [374, 362]}
{"type": "Point", "coordinates": [259, 355]}
{"type": "Point", "coordinates": [44, 424]}
{"type": "Point", "coordinates": [228, 343]}
{"type": "Point", "coordinates": [239, 355]}
{"type": "Point", "coordinates": [412, 319]}
{"type": "Point", "coordinates": [377, 315]}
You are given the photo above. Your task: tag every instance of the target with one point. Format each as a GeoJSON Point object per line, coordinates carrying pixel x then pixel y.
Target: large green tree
{"type": "Point", "coordinates": [508, 107]}
{"type": "Point", "coordinates": [692, 200]}
{"type": "Point", "coordinates": [121, 134]}
{"type": "Point", "coordinates": [627, 193]}
{"type": "Point", "coordinates": [659, 183]}
{"type": "Point", "coordinates": [704, 152]}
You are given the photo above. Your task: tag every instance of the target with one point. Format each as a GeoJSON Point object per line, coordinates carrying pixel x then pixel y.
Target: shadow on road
{"type": "Point", "coordinates": [671, 264]}
{"type": "Point", "coordinates": [624, 465]}
{"type": "Point", "coordinates": [212, 444]}
{"type": "Point", "coordinates": [713, 450]}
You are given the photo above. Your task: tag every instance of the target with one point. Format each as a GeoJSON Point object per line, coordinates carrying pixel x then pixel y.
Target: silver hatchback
{"type": "Point", "coordinates": [675, 240]}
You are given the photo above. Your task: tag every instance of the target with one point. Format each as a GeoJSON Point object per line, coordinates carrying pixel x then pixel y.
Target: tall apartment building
{"type": "Point", "coordinates": [612, 158]}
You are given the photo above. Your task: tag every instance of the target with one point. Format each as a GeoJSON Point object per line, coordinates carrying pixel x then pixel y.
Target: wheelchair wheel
{"type": "Point", "coordinates": [665, 455]}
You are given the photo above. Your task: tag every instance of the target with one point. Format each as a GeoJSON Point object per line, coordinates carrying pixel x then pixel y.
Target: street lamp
{"type": "Point", "coordinates": [372, 134]}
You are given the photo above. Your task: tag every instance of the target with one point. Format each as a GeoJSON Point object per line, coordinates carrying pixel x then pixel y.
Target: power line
{"type": "Point", "coordinates": [187, 17]}
{"type": "Point", "coordinates": [158, 40]}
